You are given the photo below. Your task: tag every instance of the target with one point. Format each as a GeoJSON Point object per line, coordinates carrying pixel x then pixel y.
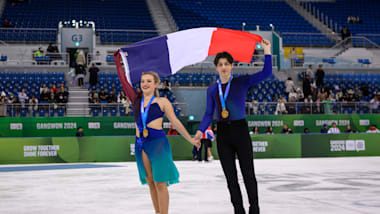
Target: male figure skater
{"type": "Point", "coordinates": [228, 96]}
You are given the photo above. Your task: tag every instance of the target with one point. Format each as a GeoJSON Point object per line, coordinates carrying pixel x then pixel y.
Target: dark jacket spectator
{"type": "Point", "coordinates": [62, 96]}
{"type": "Point", "coordinates": [345, 32]}
{"type": "Point", "coordinates": [324, 129]}
{"type": "Point", "coordinates": [44, 97]}
{"type": "Point", "coordinates": [103, 95]}
{"type": "Point", "coordinates": [93, 74]}
{"type": "Point", "coordinates": [306, 86]}
{"type": "Point", "coordinates": [112, 97]}
{"type": "Point", "coordinates": [320, 75]}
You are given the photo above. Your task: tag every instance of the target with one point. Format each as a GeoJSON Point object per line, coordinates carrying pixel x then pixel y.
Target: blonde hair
{"type": "Point", "coordinates": [156, 80]}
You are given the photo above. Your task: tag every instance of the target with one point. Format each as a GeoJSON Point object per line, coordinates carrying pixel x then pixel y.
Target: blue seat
{"type": "Point", "coordinates": [95, 112]}
{"type": "Point", "coordinates": [41, 112]}
{"type": "Point", "coordinates": [61, 112]}
{"type": "Point", "coordinates": [105, 112]}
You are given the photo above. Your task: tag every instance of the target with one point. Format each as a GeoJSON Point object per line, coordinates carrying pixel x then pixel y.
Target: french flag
{"type": "Point", "coordinates": [168, 54]}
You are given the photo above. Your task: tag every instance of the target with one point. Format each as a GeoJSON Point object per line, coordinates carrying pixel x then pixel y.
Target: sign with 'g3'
{"type": "Point", "coordinates": [77, 37]}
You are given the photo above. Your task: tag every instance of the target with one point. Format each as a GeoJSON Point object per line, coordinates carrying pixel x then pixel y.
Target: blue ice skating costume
{"type": "Point", "coordinates": [158, 150]}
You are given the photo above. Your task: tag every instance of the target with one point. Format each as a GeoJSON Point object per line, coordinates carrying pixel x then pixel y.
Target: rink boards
{"type": "Point", "coordinates": [121, 148]}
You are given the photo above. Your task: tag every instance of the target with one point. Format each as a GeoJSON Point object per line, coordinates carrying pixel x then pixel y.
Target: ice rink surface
{"type": "Point", "coordinates": [307, 185]}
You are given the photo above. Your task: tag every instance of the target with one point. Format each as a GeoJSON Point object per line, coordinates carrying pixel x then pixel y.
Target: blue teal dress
{"type": "Point", "coordinates": [158, 150]}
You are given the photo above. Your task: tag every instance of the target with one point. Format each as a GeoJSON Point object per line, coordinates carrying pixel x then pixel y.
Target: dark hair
{"type": "Point", "coordinates": [224, 55]}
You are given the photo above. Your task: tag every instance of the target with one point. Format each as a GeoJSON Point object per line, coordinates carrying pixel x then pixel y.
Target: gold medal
{"type": "Point", "coordinates": [224, 113]}
{"type": "Point", "coordinates": [145, 133]}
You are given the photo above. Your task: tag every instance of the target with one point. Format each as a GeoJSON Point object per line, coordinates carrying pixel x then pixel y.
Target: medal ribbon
{"type": "Point", "coordinates": [224, 98]}
{"type": "Point", "coordinates": [144, 112]}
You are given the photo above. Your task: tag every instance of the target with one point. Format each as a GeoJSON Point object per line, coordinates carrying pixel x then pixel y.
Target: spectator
{"type": "Point", "coordinates": [306, 86]}
{"type": "Point", "coordinates": [112, 97]}
{"type": "Point", "coordinates": [80, 73]}
{"type": "Point", "coordinates": [309, 71]}
{"type": "Point", "coordinates": [33, 103]}
{"type": "Point", "coordinates": [374, 104]}
{"type": "Point", "coordinates": [7, 24]}
{"type": "Point", "coordinates": [255, 130]}
{"type": "Point", "coordinates": [349, 130]}
{"type": "Point", "coordinates": [62, 85]}
{"type": "Point", "coordinates": [54, 88]}
{"type": "Point", "coordinates": [300, 95]}
{"type": "Point", "coordinates": [43, 87]}
{"type": "Point", "coordinates": [93, 75]}
{"type": "Point", "coordinates": [334, 129]}
{"type": "Point", "coordinates": [350, 19]}
{"type": "Point", "coordinates": [165, 86]}
{"type": "Point", "coordinates": [95, 99]}
{"type": "Point", "coordinates": [269, 130]}
{"type": "Point", "coordinates": [103, 96]}
{"type": "Point", "coordinates": [81, 58]}
{"type": "Point", "coordinates": [291, 105]}
{"type": "Point", "coordinates": [293, 57]}
{"type": "Point", "coordinates": [52, 48]}
{"type": "Point", "coordinates": [91, 95]}
{"type": "Point", "coordinates": [281, 108]}
{"type": "Point", "coordinates": [23, 98]}
{"type": "Point", "coordinates": [306, 106]}
{"type": "Point", "coordinates": [320, 74]}
{"type": "Point", "coordinates": [339, 96]}
{"type": "Point", "coordinates": [39, 52]}
{"type": "Point", "coordinates": [324, 130]}
{"type": "Point", "coordinates": [365, 90]}
{"type": "Point", "coordinates": [3, 104]}
{"type": "Point", "coordinates": [357, 92]}
{"type": "Point", "coordinates": [286, 130]}
{"type": "Point", "coordinates": [306, 131]}
{"type": "Point", "coordinates": [357, 20]}
{"type": "Point", "coordinates": [71, 74]}
{"type": "Point", "coordinates": [255, 106]}
{"type": "Point", "coordinates": [97, 56]}
{"type": "Point", "coordinates": [172, 131]}
{"type": "Point", "coordinates": [289, 85]}
{"type": "Point", "coordinates": [51, 92]}
{"type": "Point", "coordinates": [122, 98]}
{"type": "Point", "coordinates": [44, 97]}
{"type": "Point", "coordinates": [206, 141]}
{"type": "Point", "coordinates": [52, 101]}
{"type": "Point", "coordinates": [345, 34]}
{"type": "Point", "coordinates": [80, 132]}
{"type": "Point", "coordinates": [293, 95]}
{"type": "Point", "coordinates": [327, 104]}
{"type": "Point", "coordinates": [62, 96]}
{"type": "Point", "coordinates": [373, 129]}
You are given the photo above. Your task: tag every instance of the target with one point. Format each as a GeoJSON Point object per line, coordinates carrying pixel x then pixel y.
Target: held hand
{"type": "Point", "coordinates": [266, 46]}
{"type": "Point", "coordinates": [195, 142]}
{"type": "Point", "coordinates": [198, 135]}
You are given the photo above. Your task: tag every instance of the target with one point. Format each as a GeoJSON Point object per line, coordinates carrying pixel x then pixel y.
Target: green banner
{"type": "Point", "coordinates": [121, 148]}
{"type": "Point", "coordinates": [358, 122]}
{"type": "Point", "coordinates": [338, 145]}
{"type": "Point", "coordinates": [111, 126]}
{"type": "Point", "coordinates": [83, 149]}
{"type": "Point", "coordinates": [67, 126]}
{"type": "Point", "coordinates": [276, 146]}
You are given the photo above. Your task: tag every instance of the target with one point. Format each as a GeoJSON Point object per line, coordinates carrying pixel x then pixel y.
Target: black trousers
{"type": "Point", "coordinates": [233, 139]}
{"type": "Point", "coordinates": [205, 143]}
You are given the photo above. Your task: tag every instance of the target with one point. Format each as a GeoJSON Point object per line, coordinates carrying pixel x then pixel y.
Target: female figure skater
{"type": "Point", "coordinates": [152, 149]}
{"type": "Point", "coordinates": [228, 97]}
